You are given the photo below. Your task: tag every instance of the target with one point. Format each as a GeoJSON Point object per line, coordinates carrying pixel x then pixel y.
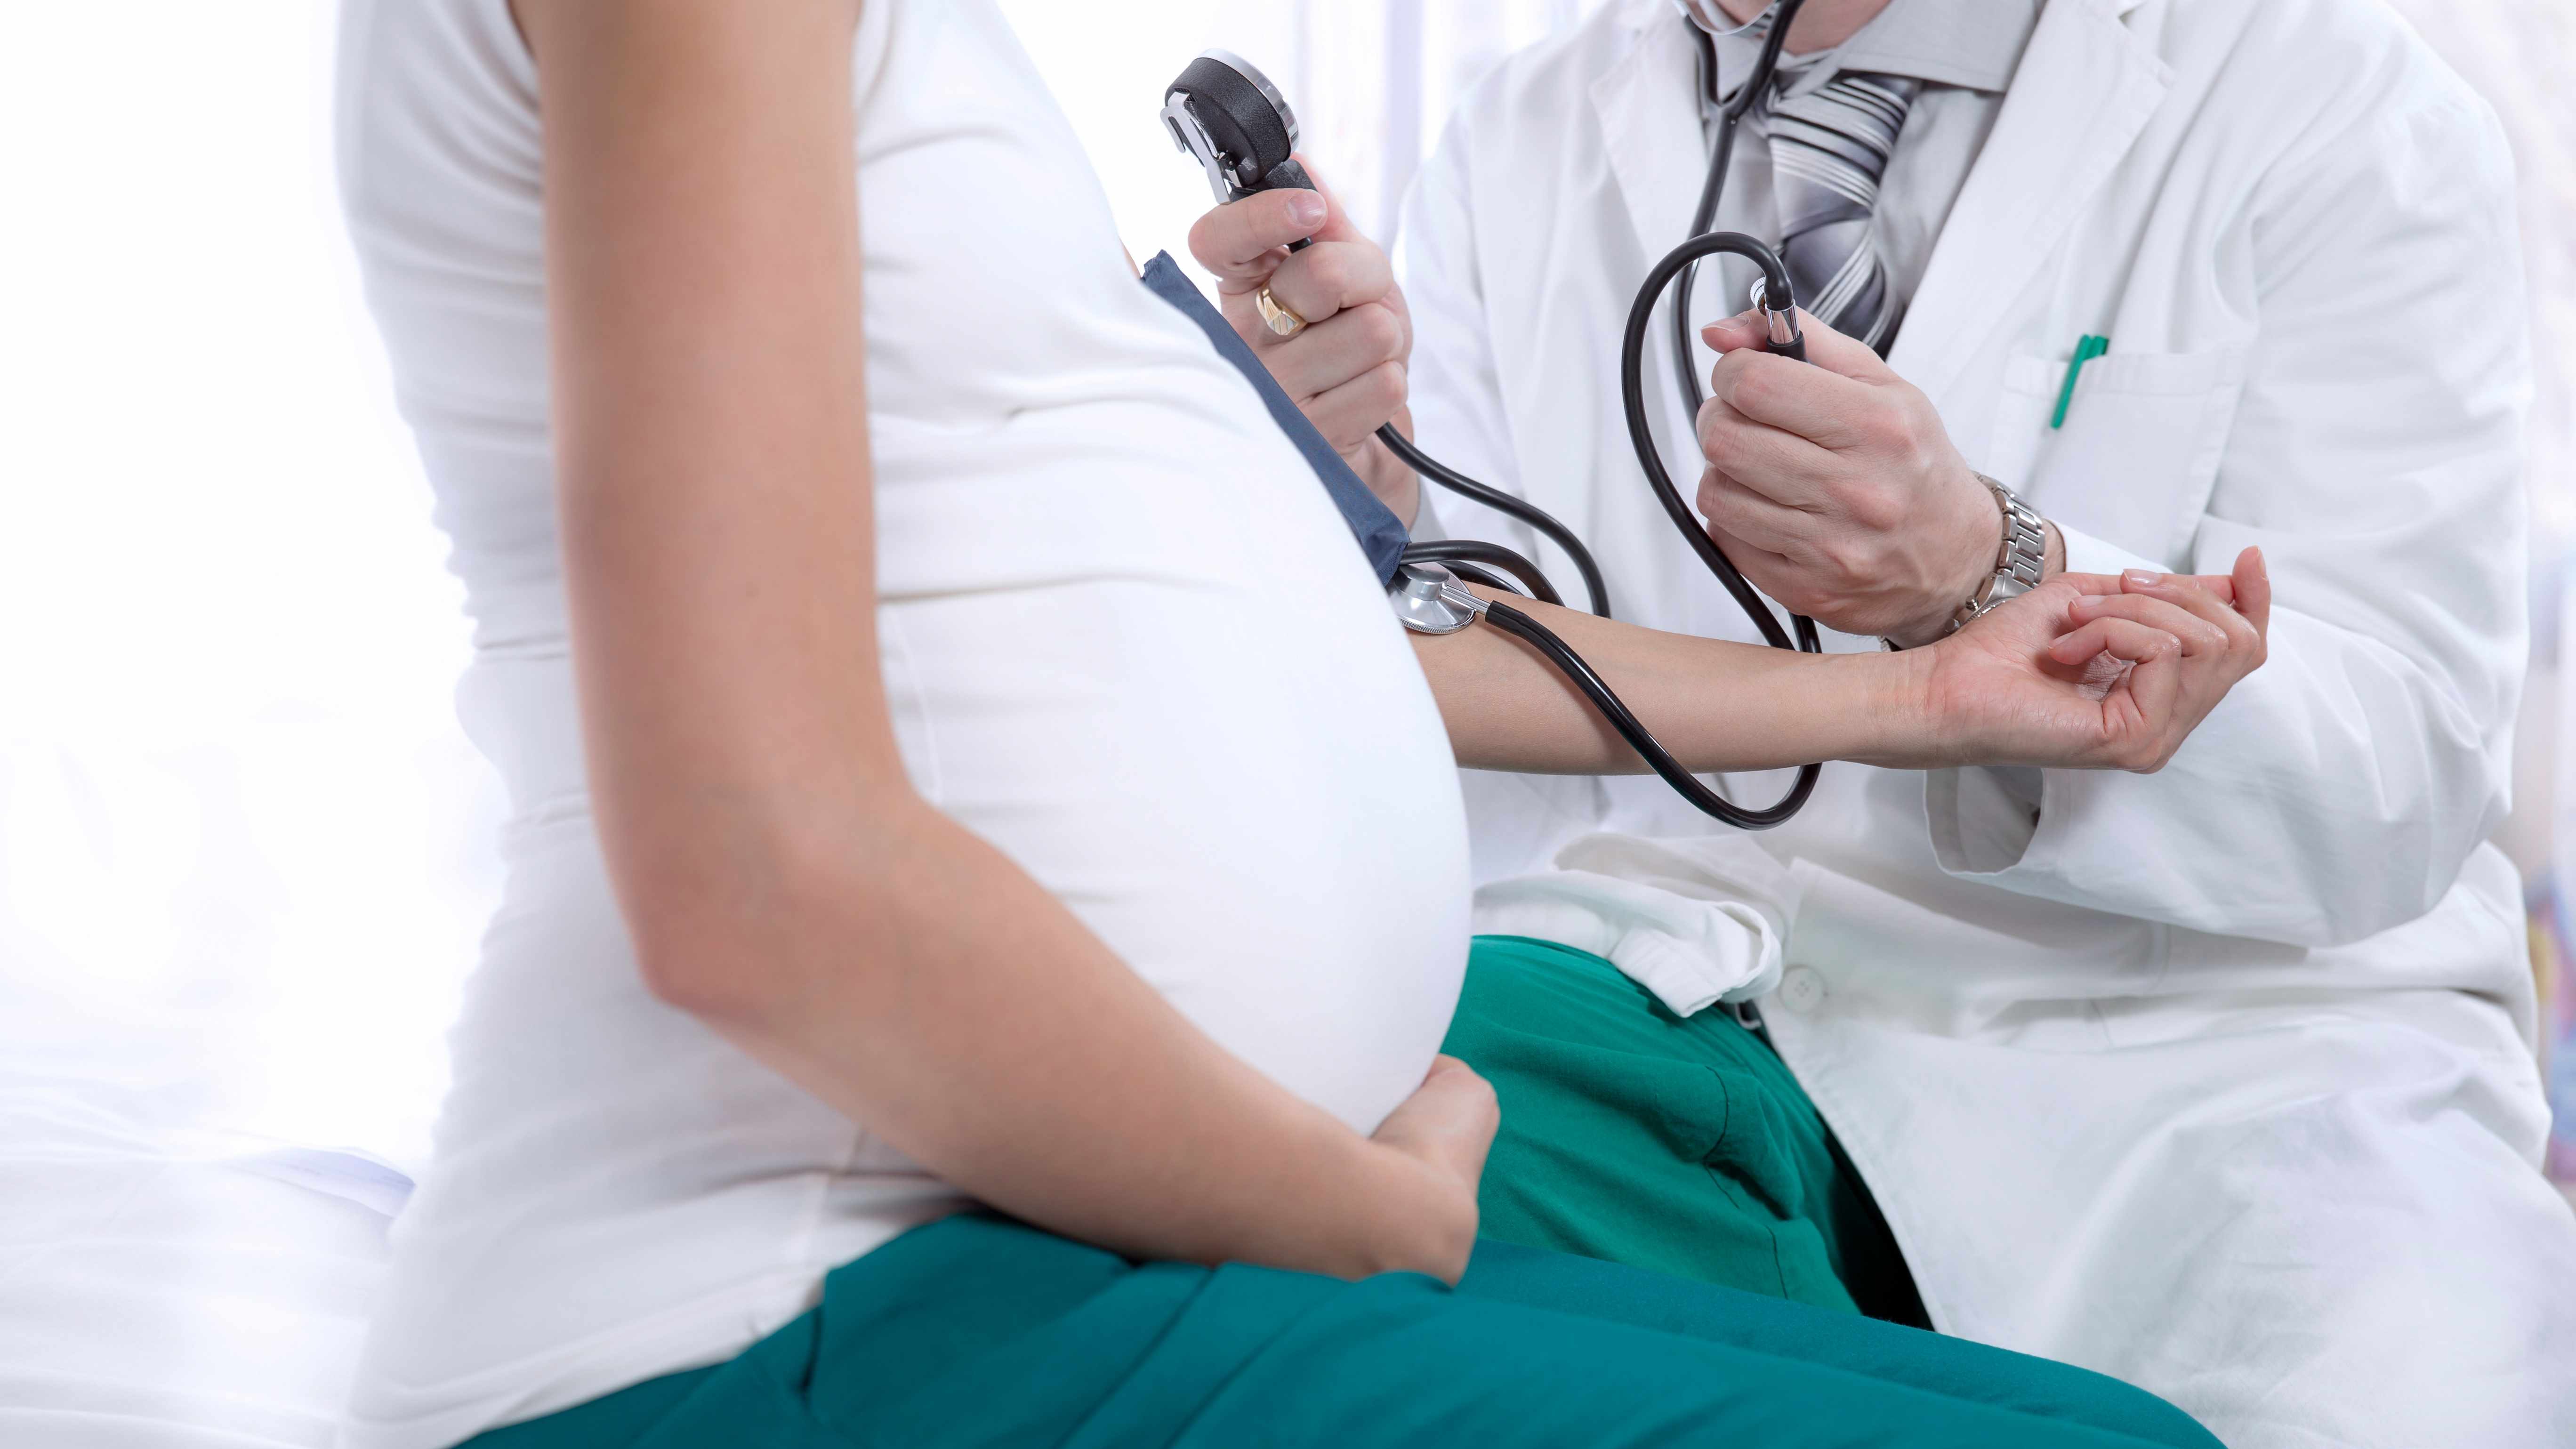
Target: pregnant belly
{"type": "Point", "coordinates": [1257, 810]}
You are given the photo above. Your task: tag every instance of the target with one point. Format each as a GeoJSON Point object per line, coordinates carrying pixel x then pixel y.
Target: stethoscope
{"type": "Point", "coordinates": [1230, 117]}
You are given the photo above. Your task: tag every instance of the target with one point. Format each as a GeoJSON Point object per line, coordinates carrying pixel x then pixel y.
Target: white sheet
{"type": "Point", "coordinates": [161, 1289]}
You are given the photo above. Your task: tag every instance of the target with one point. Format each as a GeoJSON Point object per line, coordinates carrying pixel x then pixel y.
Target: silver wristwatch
{"type": "Point", "coordinates": [2021, 560]}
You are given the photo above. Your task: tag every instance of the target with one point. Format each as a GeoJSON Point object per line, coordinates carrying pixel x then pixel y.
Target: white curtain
{"type": "Point", "coordinates": [1373, 81]}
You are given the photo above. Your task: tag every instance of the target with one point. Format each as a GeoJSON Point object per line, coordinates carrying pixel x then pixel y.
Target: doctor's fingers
{"type": "Point", "coordinates": [1826, 348]}
{"type": "Point", "coordinates": [1773, 572]}
{"type": "Point", "coordinates": [1242, 242]}
{"type": "Point", "coordinates": [1329, 353]}
{"type": "Point", "coordinates": [1772, 461]}
{"type": "Point", "coordinates": [1755, 517]}
{"type": "Point", "coordinates": [1328, 277]}
{"type": "Point", "coordinates": [1348, 414]}
{"type": "Point", "coordinates": [1827, 408]}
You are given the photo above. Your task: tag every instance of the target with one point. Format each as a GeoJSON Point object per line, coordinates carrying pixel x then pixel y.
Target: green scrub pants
{"type": "Point", "coordinates": [1684, 1144]}
{"type": "Point", "coordinates": [978, 1332]}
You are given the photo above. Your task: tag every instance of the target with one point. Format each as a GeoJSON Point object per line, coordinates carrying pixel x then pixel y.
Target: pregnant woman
{"type": "Point", "coordinates": [987, 882]}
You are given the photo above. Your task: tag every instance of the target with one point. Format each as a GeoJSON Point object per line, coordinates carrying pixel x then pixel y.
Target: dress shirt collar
{"type": "Point", "coordinates": [1972, 44]}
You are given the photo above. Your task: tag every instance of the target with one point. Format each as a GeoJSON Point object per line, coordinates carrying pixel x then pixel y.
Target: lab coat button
{"type": "Point", "coordinates": [1801, 989]}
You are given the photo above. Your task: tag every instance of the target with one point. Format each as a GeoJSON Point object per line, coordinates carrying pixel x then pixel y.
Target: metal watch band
{"type": "Point", "coordinates": [2021, 559]}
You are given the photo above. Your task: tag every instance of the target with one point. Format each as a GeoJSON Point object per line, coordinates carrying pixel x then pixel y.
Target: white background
{"type": "Point", "coordinates": [244, 853]}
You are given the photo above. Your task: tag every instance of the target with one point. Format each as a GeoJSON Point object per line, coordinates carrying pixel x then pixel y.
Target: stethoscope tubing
{"type": "Point", "coordinates": [1490, 564]}
{"type": "Point", "coordinates": [1675, 271]}
{"type": "Point", "coordinates": [1713, 188]}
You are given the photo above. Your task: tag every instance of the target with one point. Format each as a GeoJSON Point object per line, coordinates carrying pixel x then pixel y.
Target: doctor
{"type": "Point", "coordinates": [2220, 1080]}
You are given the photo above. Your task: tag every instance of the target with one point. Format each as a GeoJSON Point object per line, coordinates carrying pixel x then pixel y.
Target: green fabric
{"type": "Point", "coordinates": [976, 1333]}
{"type": "Point", "coordinates": [1680, 1145]}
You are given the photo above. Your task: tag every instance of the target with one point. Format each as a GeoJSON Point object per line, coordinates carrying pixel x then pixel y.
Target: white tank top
{"type": "Point", "coordinates": [1127, 639]}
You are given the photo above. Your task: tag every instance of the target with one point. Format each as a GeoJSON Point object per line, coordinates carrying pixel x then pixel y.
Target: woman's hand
{"type": "Point", "coordinates": [1440, 1136]}
{"type": "Point", "coordinates": [781, 879]}
{"type": "Point", "coordinates": [2090, 671]}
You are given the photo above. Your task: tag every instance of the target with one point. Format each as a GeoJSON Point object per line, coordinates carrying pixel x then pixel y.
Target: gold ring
{"type": "Point", "coordinates": [1283, 321]}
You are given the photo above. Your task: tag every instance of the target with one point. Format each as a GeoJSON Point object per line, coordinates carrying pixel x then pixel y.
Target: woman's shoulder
{"type": "Point", "coordinates": [420, 84]}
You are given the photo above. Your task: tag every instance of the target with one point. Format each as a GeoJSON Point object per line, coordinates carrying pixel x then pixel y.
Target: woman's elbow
{"type": "Point", "coordinates": [731, 936]}
{"type": "Point", "coordinates": [692, 970]}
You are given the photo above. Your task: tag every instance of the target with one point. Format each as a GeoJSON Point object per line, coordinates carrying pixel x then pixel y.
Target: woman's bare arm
{"type": "Point", "coordinates": [1716, 705]}
{"type": "Point", "coordinates": [781, 878]}
{"type": "Point", "coordinates": [2010, 689]}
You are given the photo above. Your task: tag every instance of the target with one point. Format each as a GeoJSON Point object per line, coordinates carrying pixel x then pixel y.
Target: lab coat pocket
{"type": "Point", "coordinates": [2136, 457]}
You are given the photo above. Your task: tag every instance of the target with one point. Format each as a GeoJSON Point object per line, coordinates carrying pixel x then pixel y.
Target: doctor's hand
{"type": "Point", "coordinates": [2096, 672]}
{"type": "Point", "coordinates": [1834, 487]}
{"type": "Point", "coordinates": [1345, 369]}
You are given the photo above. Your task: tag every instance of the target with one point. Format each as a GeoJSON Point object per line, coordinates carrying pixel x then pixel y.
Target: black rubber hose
{"type": "Point", "coordinates": [1491, 555]}
{"type": "Point", "coordinates": [1477, 575]}
{"type": "Point", "coordinates": [1704, 215]}
{"type": "Point", "coordinates": [1245, 123]}
{"type": "Point", "coordinates": [1641, 435]}
{"type": "Point", "coordinates": [1504, 503]}
{"type": "Point", "coordinates": [1689, 786]}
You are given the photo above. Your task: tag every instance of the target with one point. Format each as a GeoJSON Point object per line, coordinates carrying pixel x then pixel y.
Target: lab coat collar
{"type": "Point", "coordinates": [2085, 89]}
{"type": "Point", "coordinates": [1648, 106]}
{"type": "Point", "coordinates": [1972, 44]}
{"type": "Point", "coordinates": [2083, 92]}
{"type": "Point", "coordinates": [1643, 15]}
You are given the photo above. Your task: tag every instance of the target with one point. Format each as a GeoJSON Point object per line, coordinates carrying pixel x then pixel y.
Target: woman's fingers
{"type": "Point", "coordinates": [2205, 603]}
{"type": "Point", "coordinates": [2142, 702]}
{"type": "Point", "coordinates": [1449, 1121]}
{"type": "Point", "coordinates": [2191, 640]}
{"type": "Point", "coordinates": [2247, 588]}
{"type": "Point", "coordinates": [2121, 638]}
{"type": "Point", "coordinates": [2253, 579]}
{"type": "Point", "coordinates": [2199, 633]}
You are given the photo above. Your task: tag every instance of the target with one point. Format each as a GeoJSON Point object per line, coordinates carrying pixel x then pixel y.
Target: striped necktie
{"type": "Point", "coordinates": [1829, 147]}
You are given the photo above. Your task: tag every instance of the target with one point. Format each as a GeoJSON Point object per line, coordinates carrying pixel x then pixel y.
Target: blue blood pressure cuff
{"type": "Point", "coordinates": [1372, 523]}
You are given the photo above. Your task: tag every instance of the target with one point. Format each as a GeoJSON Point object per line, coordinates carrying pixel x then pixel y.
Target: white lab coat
{"type": "Point", "coordinates": [2220, 1080]}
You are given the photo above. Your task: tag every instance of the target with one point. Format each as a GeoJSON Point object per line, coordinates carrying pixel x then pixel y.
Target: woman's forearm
{"type": "Point", "coordinates": [780, 878]}
{"type": "Point", "coordinates": [1716, 705]}
{"type": "Point", "coordinates": [918, 980]}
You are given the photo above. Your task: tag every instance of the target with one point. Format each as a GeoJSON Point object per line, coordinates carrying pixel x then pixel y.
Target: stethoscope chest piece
{"type": "Point", "coordinates": [1227, 116]}
{"type": "Point", "coordinates": [1428, 599]}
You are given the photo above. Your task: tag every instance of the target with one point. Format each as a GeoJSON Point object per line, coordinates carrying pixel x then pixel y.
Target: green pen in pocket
{"type": "Point", "coordinates": [2086, 349]}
